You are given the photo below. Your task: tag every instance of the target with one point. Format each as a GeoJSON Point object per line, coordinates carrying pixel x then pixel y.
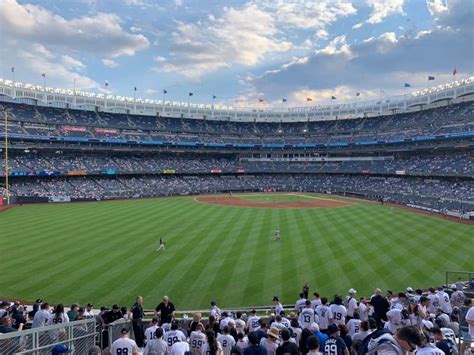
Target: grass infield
{"type": "Point", "coordinates": [105, 252]}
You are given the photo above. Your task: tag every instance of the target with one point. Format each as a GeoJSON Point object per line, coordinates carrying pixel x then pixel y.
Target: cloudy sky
{"type": "Point", "coordinates": [238, 50]}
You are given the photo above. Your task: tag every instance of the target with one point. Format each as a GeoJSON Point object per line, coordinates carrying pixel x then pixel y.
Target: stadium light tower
{"type": "Point", "coordinates": [7, 188]}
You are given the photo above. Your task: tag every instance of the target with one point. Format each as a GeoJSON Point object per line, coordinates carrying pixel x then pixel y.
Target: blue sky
{"type": "Point", "coordinates": [239, 51]}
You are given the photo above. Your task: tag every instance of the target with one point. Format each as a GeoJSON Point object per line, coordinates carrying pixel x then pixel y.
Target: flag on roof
{"type": "Point", "coordinates": [407, 85]}
{"type": "Point", "coordinates": [260, 100]}
{"type": "Point", "coordinates": [214, 97]}
{"type": "Point", "coordinates": [283, 100]}
{"type": "Point", "coordinates": [309, 99]}
{"type": "Point", "coordinates": [165, 92]}
{"type": "Point", "coordinates": [333, 97]}
{"type": "Point", "coordinates": [431, 77]}
{"type": "Point", "coordinates": [357, 93]}
{"type": "Point", "coordinates": [455, 72]}
{"type": "Point", "coordinates": [43, 75]}
{"type": "Point", "coordinates": [190, 94]}
{"type": "Point", "coordinates": [106, 83]}
{"type": "Point", "coordinates": [134, 88]}
{"type": "Point", "coordinates": [13, 69]}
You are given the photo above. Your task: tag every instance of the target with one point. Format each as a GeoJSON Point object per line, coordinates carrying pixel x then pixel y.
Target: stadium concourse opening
{"type": "Point", "coordinates": [289, 200]}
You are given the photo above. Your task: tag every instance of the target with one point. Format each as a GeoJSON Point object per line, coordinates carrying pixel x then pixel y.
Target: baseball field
{"type": "Point", "coordinates": [222, 248]}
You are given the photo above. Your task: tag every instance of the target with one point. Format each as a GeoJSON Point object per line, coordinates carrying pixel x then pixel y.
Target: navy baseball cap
{"type": "Point", "coordinates": [333, 328]}
{"type": "Point", "coordinates": [60, 349]}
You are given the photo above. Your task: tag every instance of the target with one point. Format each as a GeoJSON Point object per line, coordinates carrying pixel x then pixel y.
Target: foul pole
{"type": "Point", "coordinates": [7, 187]}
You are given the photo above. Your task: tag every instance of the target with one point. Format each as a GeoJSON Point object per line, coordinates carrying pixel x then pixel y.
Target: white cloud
{"type": "Point", "coordinates": [436, 7]}
{"type": "Point", "coordinates": [72, 63]}
{"type": "Point", "coordinates": [385, 61]}
{"type": "Point", "coordinates": [239, 37]}
{"type": "Point", "coordinates": [109, 63]}
{"type": "Point", "coordinates": [308, 14]}
{"type": "Point", "coordinates": [159, 59]}
{"type": "Point", "coordinates": [101, 33]}
{"type": "Point", "coordinates": [248, 35]}
{"type": "Point", "coordinates": [135, 29]}
{"type": "Point", "coordinates": [336, 46]}
{"type": "Point", "coordinates": [60, 70]}
{"type": "Point", "coordinates": [382, 9]}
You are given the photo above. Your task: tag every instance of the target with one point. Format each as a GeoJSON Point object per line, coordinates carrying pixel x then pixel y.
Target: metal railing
{"type": "Point", "coordinates": [78, 336]}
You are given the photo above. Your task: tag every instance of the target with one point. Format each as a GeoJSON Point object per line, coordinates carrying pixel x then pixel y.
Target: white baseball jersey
{"type": "Point", "coordinates": [278, 309]}
{"type": "Point", "coordinates": [324, 313]}
{"type": "Point", "coordinates": [166, 327]}
{"type": "Point", "coordinates": [316, 302]}
{"type": "Point", "coordinates": [150, 332]}
{"type": "Point", "coordinates": [278, 325]}
{"type": "Point", "coordinates": [206, 351]}
{"type": "Point", "coordinates": [434, 302]}
{"type": "Point", "coordinates": [243, 343]}
{"type": "Point", "coordinates": [41, 318]}
{"type": "Point", "coordinates": [227, 342]}
{"type": "Point", "coordinates": [89, 314]}
{"type": "Point", "coordinates": [197, 339]}
{"type": "Point", "coordinates": [470, 316]}
{"type": "Point", "coordinates": [444, 302]}
{"type": "Point", "coordinates": [363, 311]}
{"type": "Point", "coordinates": [339, 313]}
{"type": "Point", "coordinates": [172, 337]}
{"type": "Point", "coordinates": [353, 327]}
{"type": "Point", "coordinates": [179, 348]}
{"type": "Point", "coordinates": [155, 346]}
{"type": "Point", "coordinates": [224, 322]}
{"type": "Point", "coordinates": [457, 298]}
{"type": "Point", "coordinates": [285, 322]}
{"type": "Point", "coordinates": [394, 320]}
{"type": "Point", "coordinates": [307, 316]}
{"type": "Point", "coordinates": [252, 323]}
{"type": "Point", "coordinates": [300, 304]}
{"type": "Point", "coordinates": [124, 346]}
{"type": "Point", "coordinates": [216, 312]}
{"type": "Point", "coordinates": [351, 306]}
{"type": "Point", "coordinates": [296, 334]}
{"type": "Point", "coordinates": [240, 326]}
{"type": "Point", "coordinates": [429, 349]}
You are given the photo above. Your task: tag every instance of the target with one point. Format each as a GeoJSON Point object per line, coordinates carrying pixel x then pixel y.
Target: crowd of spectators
{"type": "Point", "coordinates": [432, 322]}
{"type": "Point", "coordinates": [430, 193]}
{"type": "Point", "coordinates": [90, 124]}
{"type": "Point", "coordinates": [460, 164]}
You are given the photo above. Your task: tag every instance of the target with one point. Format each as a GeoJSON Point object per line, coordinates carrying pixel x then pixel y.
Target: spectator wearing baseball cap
{"type": "Point", "coordinates": [124, 342]}
{"type": "Point", "coordinates": [335, 344]}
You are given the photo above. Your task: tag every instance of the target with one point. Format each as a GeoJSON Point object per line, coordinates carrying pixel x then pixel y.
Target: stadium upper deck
{"type": "Point", "coordinates": [66, 98]}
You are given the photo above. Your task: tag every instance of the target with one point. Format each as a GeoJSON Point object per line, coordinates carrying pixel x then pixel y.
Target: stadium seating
{"type": "Point", "coordinates": [356, 156]}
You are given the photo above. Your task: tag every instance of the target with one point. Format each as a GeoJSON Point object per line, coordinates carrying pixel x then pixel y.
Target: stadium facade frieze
{"type": "Point", "coordinates": [440, 95]}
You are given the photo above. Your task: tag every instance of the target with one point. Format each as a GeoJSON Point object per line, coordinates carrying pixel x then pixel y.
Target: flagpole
{"type": "Point", "coordinates": [7, 186]}
{"type": "Point", "coordinates": [13, 75]}
{"type": "Point", "coordinates": [74, 91]}
{"type": "Point", "coordinates": [162, 102]}
{"type": "Point", "coordinates": [134, 99]}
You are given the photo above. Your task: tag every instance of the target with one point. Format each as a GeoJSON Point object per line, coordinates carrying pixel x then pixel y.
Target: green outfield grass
{"type": "Point", "coordinates": [105, 252]}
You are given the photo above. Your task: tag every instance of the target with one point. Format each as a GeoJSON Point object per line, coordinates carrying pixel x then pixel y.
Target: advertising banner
{"type": "Point", "coordinates": [74, 128]}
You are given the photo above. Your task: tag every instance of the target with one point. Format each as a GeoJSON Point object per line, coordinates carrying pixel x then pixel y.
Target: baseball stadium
{"type": "Point", "coordinates": [113, 201]}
